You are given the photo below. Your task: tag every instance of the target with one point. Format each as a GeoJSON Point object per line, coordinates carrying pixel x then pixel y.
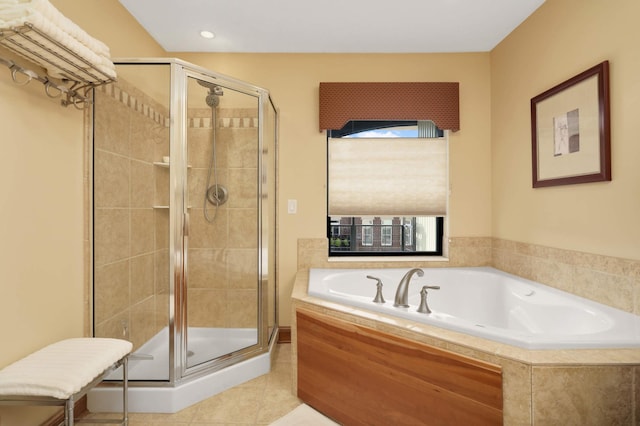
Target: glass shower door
{"type": "Point", "coordinates": [221, 285]}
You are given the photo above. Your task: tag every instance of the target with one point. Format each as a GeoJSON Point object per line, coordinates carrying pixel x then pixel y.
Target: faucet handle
{"type": "Point", "coordinates": [378, 298]}
{"type": "Point", "coordinates": [424, 307]}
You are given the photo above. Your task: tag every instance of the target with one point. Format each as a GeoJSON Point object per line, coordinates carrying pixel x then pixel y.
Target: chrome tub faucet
{"type": "Point", "coordinates": [402, 293]}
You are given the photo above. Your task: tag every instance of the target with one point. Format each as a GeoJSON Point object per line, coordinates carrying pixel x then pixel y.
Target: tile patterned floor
{"type": "Point", "coordinates": [257, 402]}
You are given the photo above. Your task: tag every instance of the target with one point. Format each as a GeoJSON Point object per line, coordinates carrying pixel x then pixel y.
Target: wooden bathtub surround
{"type": "Point", "coordinates": [360, 376]}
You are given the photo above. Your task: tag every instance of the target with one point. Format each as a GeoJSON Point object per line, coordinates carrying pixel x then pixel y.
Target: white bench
{"type": "Point", "coordinates": [63, 372]}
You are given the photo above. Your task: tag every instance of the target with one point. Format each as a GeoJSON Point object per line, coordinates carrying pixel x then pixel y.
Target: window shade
{"type": "Point", "coordinates": [399, 177]}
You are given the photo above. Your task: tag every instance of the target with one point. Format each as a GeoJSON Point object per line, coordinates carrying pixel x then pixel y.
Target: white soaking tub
{"type": "Point", "coordinates": [487, 303]}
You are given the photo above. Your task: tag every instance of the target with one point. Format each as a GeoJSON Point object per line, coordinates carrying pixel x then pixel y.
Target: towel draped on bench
{"type": "Point", "coordinates": [62, 369]}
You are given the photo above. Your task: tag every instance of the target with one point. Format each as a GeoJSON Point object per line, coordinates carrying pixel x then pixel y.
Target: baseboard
{"type": "Point", "coordinates": [79, 409]}
{"type": "Point", "coordinates": [284, 334]}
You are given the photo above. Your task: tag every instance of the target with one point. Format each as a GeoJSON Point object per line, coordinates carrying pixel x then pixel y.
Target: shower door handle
{"type": "Point", "coordinates": [185, 229]}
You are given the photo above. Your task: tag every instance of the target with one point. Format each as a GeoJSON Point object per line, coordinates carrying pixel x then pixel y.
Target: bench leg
{"type": "Point", "coordinates": [125, 391]}
{"type": "Point", "coordinates": [68, 412]}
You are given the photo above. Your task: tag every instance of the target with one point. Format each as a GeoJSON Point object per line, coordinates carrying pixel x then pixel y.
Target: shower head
{"type": "Point", "coordinates": [215, 91]}
{"type": "Point", "coordinates": [212, 99]}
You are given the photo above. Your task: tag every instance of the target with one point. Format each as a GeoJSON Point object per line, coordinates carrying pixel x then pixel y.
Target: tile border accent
{"type": "Point", "coordinates": [127, 94]}
{"type": "Point", "coordinates": [131, 97]}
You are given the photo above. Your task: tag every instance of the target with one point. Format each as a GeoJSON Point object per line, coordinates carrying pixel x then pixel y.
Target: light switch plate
{"type": "Point", "coordinates": [292, 206]}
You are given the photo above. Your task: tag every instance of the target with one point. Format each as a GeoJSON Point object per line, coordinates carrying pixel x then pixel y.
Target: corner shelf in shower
{"type": "Point", "coordinates": [165, 165]}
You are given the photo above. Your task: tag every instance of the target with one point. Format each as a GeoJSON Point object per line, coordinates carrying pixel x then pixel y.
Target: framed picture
{"type": "Point", "coordinates": [570, 134]}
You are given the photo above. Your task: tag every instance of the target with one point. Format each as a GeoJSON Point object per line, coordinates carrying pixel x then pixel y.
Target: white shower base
{"type": "Point", "coordinates": [204, 344]}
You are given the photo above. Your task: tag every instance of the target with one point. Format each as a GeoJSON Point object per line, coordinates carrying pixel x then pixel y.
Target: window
{"type": "Point", "coordinates": [387, 186]}
{"type": "Point", "coordinates": [406, 236]}
{"type": "Point", "coordinates": [388, 129]}
{"type": "Point", "coordinates": [367, 233]}
{"type": "Point", "coordinates": [408, 230]}
{"type": "Point", "coordinates": [386, 233]}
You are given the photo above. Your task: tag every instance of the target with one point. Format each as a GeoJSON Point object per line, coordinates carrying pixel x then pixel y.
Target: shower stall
{"type": "Point", "coordinates": [184, 226]}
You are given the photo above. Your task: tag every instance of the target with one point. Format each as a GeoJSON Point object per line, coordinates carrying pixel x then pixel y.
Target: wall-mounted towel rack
{"type": "Point", "coordinates": [74, 74]}
{"type": "Point", "coordinates": [69, 94]}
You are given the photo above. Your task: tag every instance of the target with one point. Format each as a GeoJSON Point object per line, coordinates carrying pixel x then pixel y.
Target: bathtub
{"type": "Point", "coordinates": [486, 303]}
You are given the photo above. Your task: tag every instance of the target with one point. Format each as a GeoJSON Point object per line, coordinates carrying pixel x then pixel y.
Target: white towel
{"type": "Point", "coordinates": [21, 9]}
{"type": "Point", "coordinates": [68, 26]}
{"type": "Point", "coordinates": [62, 368]}
{"type": "Point", "coordinates": [47, 19]}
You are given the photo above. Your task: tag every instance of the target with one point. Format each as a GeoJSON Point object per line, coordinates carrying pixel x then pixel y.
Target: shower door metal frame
{"type": "Point", "coordinates": [180, 72]}
{"type": "Point", "coordinates": [179, 222]}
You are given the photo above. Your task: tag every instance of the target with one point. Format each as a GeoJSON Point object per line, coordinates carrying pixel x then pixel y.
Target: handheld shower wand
{"type": "Point", "coordinates": [215, 194]}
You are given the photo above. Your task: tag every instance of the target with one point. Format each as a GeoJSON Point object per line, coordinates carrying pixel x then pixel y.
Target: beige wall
{"type": "Point", "coordinates": [41, 219]}
{"type": "Point", "coordinates": [560, 40]}
{"type": "Point", "coordinates": [42, 214]}
{"type": "Point", "coordinates": [42, 291]}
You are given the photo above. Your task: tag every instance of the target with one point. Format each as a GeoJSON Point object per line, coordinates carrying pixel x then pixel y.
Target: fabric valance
{"type": "Point", "coordinates": [435, 101]}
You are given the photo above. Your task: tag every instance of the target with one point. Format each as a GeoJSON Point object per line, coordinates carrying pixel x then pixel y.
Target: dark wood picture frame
{"type": "Point", "coordinates": [570, 131]}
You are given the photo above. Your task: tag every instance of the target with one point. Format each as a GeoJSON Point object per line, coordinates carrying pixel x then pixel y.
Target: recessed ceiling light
{"type": "Point", "coordinates": [207, 34]}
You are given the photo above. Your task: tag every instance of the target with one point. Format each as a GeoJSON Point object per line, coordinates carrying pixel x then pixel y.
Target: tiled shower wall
{"type": "Point", "coordinates": [222, 290]}
{"type": "Point", "coordinates": [130, 236]}
{"type": "Point", "coordinates": [132, 222]}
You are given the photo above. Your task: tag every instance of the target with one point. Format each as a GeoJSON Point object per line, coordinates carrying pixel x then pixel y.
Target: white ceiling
{"type": "Point", "coordinates": [331, 26]}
